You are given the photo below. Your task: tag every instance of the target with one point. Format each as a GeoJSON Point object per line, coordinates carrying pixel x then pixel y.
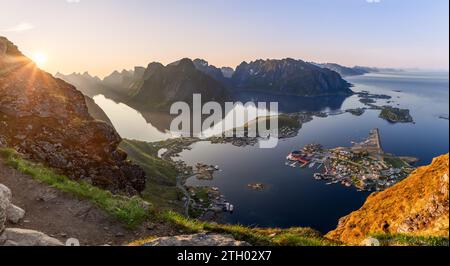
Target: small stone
{"type": "Point", "coordinates": [15, 214]}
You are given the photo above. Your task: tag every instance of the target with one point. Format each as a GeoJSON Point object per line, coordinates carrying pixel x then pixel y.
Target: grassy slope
{"type": "Point", "coordinates": [410, 240]}
{"type": "Point", "coordinates": [161, 187]}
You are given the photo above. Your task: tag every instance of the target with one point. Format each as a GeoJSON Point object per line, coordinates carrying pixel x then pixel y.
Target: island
{"type": "Point", "coordinates": [356, 111]}
{"type": "Point", "coordinates": [257, 186]}
{"type": "Point", "coordinates": [396, 115]}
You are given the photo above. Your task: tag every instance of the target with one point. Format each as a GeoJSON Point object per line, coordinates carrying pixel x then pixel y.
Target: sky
{"type": "Point", "coordinates": [101, 36]}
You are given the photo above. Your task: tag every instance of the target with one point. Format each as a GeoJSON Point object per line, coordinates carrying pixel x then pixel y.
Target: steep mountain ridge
{"type": "Point", "coordinates": [47, 119]}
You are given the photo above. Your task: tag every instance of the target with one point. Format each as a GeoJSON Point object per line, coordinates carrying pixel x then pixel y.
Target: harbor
{"type": "Point", "coordinates": [364, 165]}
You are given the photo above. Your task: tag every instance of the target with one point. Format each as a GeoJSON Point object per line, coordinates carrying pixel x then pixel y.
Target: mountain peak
{"type": "Point", "coordinates": [186, 63]}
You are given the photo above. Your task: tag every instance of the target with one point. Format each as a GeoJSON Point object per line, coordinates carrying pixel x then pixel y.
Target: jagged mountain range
{"type": "Point", "coordinates": [157, 86]}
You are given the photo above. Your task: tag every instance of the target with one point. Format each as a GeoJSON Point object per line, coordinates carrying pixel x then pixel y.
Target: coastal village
{"type": "Point", "coordinates": [364, 165]}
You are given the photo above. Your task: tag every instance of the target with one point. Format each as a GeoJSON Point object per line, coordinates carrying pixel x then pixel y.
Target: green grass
{"type": "Point", "coordinates": [130, 211]}
{"type": "Point", "coordinates": [395, 162]}
{"type": "Point", "coordinates": [160, 187]}
{"type": "Point", "coordinates": [256, 236]}
{"type": "Point", "coordinates": [409, 240]}
{"type": "Point", "coordinates": [145, 154]}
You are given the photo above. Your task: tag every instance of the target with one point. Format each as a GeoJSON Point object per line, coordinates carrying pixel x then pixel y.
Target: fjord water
{"type": "Point", "coordinates": [292, 196]}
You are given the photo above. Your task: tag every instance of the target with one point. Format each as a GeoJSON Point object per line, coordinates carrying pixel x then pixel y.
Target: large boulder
{"type": "Point", "coordinates": [24, 237]}
{"type": "Point", "coordinates": [15, 214]}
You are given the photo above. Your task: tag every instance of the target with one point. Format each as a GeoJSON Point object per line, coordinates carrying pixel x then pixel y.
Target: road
{"type": "Point", "coordinates": [180, 185]}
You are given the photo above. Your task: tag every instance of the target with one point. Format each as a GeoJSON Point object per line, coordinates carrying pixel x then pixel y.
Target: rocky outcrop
{"type": "Point", "coordinates": [418, 205]}
{"type": "Point", "coordinates": [47, 120]}
{"type": "Point", "coordinates": [289, 77]}
{"type": "Point", "coordinates": [96, 112]}
{"type": "Point", "coordinates": [197, 240]}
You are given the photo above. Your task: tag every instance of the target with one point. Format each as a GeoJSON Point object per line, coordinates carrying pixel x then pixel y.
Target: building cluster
{"type": "Point", "coordinates": [363, 165]}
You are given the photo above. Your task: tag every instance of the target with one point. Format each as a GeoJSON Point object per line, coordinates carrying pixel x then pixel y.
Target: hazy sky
{"type": "Point", "coordinates": [103, 35]}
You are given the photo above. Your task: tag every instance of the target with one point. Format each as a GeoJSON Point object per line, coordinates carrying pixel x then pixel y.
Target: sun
{"type": "Point", "coordinates": [40, 59]}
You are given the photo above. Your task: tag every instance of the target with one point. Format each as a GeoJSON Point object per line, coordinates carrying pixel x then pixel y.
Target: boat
{"type": "Point", "coordinates": [318, 176]}
{"type": "Point", "coordinates": [297, 156]}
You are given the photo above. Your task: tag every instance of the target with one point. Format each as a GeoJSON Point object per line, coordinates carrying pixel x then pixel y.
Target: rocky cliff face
{"type": "Point", "coordinates": [96, 111]}
{"type": "Point", "coordinates": [419, 205]}
{"type": "Point", "coordinates": [47, 119]}
{"type": "Point", "coordinates": [290, 77]}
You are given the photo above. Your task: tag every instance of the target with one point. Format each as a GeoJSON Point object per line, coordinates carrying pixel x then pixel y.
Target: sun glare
{"type": "Point", "coordinates": [40, 59]}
